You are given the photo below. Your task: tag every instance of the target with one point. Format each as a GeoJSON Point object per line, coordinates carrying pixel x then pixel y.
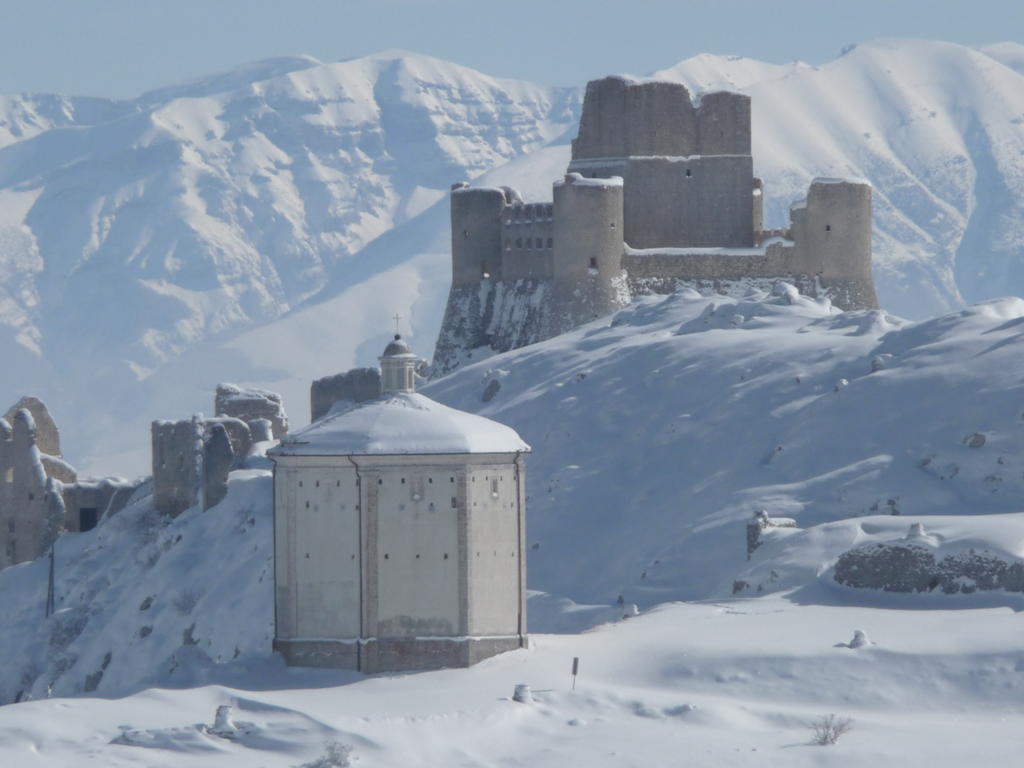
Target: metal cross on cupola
{"type": "Point", "coordinates": [397, 318]}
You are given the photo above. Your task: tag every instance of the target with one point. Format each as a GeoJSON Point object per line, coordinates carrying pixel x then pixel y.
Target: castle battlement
{"type": "Point", "coordinates": [660, 192]}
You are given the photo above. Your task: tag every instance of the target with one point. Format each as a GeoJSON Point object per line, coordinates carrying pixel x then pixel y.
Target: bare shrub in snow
{"type": "Point", "coordinates": [828, 729]}
{"type": "Point", "coordinates": [337, 755]}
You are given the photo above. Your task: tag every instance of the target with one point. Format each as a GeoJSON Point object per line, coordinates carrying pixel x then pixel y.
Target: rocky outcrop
{"type": "Point", "coordinates": [905, 566]}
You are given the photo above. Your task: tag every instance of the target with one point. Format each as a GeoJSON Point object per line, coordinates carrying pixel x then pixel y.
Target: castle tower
{"type": "Point", "coordinates": [587, 255]}
{"type": "Point", "coordinates": [688, 170]}
{"type": "Point", "coordinates": [398, 533]}
{"type": "Point", "coordinates": [831, 231]}
{"type": "Point", "coordinates": [476, 232]}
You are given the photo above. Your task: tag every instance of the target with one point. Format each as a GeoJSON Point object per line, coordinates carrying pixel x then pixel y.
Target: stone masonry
{"type": "Point", "coordinates": [659, 193]}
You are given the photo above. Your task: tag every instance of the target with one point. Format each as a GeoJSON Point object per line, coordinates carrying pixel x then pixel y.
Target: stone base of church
{"type": "Point", "coordinates": [396, 655]}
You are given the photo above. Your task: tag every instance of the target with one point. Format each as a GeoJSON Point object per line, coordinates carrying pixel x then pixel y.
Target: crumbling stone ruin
{"type": "Point", "coordinates": [761, 523]}
{"type": "Point", "coordinates": [357, 385]}
{"type": "Point", "coordinates": [907, 565]}
{"type": "Point", "coordinates": [249, 404]}
{"type": "Point", "coordinates": [192, 458]}
{"type": "Point", "coordinates": [40, 493]}
{"type": "Point", "coordinates": [660, 193]}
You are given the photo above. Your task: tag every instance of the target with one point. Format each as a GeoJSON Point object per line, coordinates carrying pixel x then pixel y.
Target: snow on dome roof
{"type": "Point", "coordinates": [397, 347]}
{"type": "Point", "coordinates": [400, 423]}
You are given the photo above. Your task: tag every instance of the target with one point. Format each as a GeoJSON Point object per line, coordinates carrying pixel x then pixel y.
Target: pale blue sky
{"type": "Point", "coordinates": [124, 47]}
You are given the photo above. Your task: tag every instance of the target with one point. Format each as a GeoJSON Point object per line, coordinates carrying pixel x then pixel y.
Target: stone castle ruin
{"type": "Point", "coordinates": [41, 494]}
{"type": "Point", "coordinates": [193, 457]}
{"type": "Point", "coordinates": [660, 192]}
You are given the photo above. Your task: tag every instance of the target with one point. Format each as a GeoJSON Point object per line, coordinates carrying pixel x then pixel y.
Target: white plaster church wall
{"type": "Point", "coordinates": [495, 546]}
{"type": "Point", "coordinates": [317, 554]}
{"type": "Point", "coordinates": [417, 549]}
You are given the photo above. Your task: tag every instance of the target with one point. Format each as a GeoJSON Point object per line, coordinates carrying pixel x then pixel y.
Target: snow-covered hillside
{"type": "Point", "coordinates": [656, 433]}
{"type": "Point", "coordinates": [239, 220]}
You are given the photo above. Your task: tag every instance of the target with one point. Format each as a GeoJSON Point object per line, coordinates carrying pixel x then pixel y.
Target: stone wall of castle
{"type": "Point", "coordinates": [192, 459]}
{"type": "Point", "coordinates": [27, 527]}
{"type": "Point", "coordinates": [687, 168]}
{"type": "Point", "coordinates": [623, 117]}
{"type": "Point", "coordinates": [355, 386]}
{"type": "Point", "coordinates": [826, 252]}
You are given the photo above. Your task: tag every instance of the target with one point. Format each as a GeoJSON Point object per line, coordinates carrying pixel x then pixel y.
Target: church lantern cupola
{"type": "Point", "coordinates": [398, 368]}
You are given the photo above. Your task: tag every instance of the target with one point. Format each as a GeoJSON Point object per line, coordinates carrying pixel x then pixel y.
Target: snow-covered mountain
{"type": "Point", "coordinates": [247, 226]}
{"type": "Point", "coordinates": [131, 232]}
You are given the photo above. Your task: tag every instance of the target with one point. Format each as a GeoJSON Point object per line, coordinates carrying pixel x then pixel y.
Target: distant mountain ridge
{"type": "Point", "coordinates": [231, 228]}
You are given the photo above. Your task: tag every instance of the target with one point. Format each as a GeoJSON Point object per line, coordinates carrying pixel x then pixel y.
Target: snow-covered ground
{"type": "Point", "coordinates": [702, 684]}
{"type": "Point", "coordinates": [239, 220]}
{"type": "Point", "coordinates": [656, 434]}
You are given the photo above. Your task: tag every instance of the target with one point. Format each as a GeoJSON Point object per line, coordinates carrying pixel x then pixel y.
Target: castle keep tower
{"type": "Point", "coordinates": [398, 533]}
{"type": "Point", "coordinates": [687, 169]}
{"type": "Point", "coordinates": [660, 193]}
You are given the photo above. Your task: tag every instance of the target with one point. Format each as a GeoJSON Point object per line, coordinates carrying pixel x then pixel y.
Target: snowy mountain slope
{"type": "Point", "coordinates": [237, 212]}
{"type": "Point", "coordinates": [212, 207]}
{"type": "Point", "coordinates": [655, 437]}
{"type": "Point", "coordinates": [1010, 54]}
{"type": "Point", "coordinates": [658, 435]}
{"type": "Point", "coordinates": [708, 72]}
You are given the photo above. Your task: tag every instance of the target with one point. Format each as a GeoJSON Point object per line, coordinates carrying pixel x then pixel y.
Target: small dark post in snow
{"type": "Point", "coordinates": [575, 670]}
{"type": "Point", "coordinates": [49, 586]}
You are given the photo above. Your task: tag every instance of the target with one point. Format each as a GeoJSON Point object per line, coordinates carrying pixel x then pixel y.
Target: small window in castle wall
{"type": "Point", "coordinates": [519, 242]}
{"type": "Point", "coordinates": [551, 242]}
{"type": "Point", "coordinates": [612, 225]}
{"type": "Point", "coordinates": [688, 173]}
{"type": "Point", "coordinates": [828, 227]}
{"type": "Point", "coordinates": [593, 262]}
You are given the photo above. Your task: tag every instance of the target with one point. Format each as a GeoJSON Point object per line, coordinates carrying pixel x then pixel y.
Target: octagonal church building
{"type": "Point", "coordinates": [399, 533]}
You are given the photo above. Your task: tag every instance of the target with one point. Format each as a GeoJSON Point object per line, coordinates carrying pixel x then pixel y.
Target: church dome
{"type": "Point", "coordinates": [397, 348]}
{"type": "Point", "coordinates": [400, 423]}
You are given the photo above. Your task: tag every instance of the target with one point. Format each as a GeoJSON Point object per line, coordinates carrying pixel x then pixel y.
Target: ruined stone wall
{"type": "Point", "coordinates": [357, 385]}
{"type": "Point", "coordinates": [25, 529]}
{"type": "Point", "coordinates": [192, 459]}
{"type": "Point", "coordinates": [623, 118]}
{"type": "Point", "coordinates": [107, 496]}
{"type": "Point", "coordinates": [905, 566]}
{"type": "Point", "coordinates": [47, 434]}
{"type": "Point", "coordinates": [177, 464]}
{"type": "Point", "coordinates": [40, 493]}
{"type": "Point", "coordinates": [249, 404]}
